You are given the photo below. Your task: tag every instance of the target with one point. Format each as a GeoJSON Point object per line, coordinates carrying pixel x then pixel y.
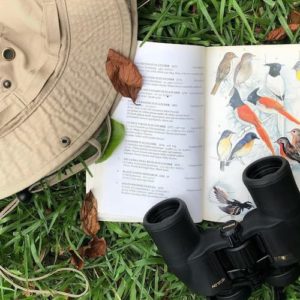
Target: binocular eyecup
{"type": "Point", "coordinates": [271, 183]}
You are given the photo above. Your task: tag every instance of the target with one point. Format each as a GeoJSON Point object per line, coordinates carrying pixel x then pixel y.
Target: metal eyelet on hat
{"type": "Point", "coordinates": [65, 141]}
{"type": "Point", "coordinates": [9, 54]}
{"type": "Point", "coordinates": [6, 83]}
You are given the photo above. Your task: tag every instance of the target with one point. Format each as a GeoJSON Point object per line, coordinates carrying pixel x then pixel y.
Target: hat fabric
{"type": "Point", "coordinates": [54, 91]}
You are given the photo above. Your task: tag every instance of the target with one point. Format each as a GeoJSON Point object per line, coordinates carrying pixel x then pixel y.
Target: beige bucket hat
{"type": "Point", "coordinates": [54, 91]}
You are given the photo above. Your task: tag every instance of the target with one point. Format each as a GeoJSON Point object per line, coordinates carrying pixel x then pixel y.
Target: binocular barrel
{"type": "Point", "coordinates": [210, 263]}
{"type": "Point", "coordinates": [273, 188]}
{"type": "Point", "coordinates": [173, 230]}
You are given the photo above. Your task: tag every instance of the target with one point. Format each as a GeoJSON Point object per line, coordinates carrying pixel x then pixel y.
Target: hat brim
{"type": "Point", "coordinates": [77, 97]}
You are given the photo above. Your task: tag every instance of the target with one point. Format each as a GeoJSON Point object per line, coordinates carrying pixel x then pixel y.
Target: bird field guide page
{"type": "Point", "coordinates": [202, 115]}
{"type": "Point", "coordinates": [252, 99]}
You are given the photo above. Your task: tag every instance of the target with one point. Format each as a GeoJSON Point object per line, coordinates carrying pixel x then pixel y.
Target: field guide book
{"type": "Point", "coordinates": [202, 116]}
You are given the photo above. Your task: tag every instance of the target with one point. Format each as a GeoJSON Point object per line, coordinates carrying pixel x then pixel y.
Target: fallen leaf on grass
{"type": "Point", "coordinates": [90, 225]}
{"type": "Point", "coordinates": [123, 74]}
{"type": "Point", "coordinates": [76, 260]}
{"type": "Point", "coordinates": [88, 215]}
{"type": "Point", "coordinates": [294, 17]}
{"type": "Point", "coordinates": [95, 248]}
{"type": "Point", "coordinates": [279, 33]}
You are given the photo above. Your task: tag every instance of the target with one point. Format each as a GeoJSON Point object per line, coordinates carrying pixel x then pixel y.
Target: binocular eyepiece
{"type": "Point", "coordinates": [272, 186]}
{"type": "Point", "coordinates": [229, 262]}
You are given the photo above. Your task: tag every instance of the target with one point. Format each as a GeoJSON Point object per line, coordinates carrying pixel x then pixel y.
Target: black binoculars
{"type": "Point", "coordinates": [229, 262]}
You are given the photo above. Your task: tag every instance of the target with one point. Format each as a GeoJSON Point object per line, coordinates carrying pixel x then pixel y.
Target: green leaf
{"type": "Point", "coordinates": [117, 136]}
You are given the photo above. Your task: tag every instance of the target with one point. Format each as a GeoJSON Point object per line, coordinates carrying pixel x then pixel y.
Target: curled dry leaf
{"type": "Point", "coordinates": [124, 75]}
{"type": "Point", "coordinates": [95, 248]}
{"type": "Point", "coordinates": [76, 260]}
{"type": "Point", "coordinates": [90, 225]}
{"type": "Point", "coordinates": [294, 17]}
{"type": "Point", "coordinates": [88, 215]}
{"type": "Point", "coordinates": [279, 33]}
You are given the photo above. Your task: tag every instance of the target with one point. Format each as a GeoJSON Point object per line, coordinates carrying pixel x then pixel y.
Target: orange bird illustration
{"type": "Point", "coordinates": [246, 115]}
{"type": "Point", "coordinates": [269, 105]}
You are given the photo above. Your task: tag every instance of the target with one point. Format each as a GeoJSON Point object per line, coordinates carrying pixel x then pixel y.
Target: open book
{"type": "Point", "coordinates": [202, 116]}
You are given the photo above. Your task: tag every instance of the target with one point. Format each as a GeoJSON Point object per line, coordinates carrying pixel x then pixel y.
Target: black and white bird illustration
{"type": "Point", "coordinates": [231, 207]}
{"type": "Point", "coordinates": [274, 81]}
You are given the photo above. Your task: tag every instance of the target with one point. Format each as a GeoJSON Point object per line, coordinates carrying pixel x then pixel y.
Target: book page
{"type": "Point", "coordinates": [253, 110]}
{"type": "Point", "coordinates": [162, 154]}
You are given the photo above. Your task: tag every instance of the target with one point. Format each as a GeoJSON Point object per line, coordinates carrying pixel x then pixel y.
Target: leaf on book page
{"type": "Point", "coordinates": [279, 33]}
{"type": "Point", "coordinates": [88, 215]}
{"type": "Point", "coordinates": [123, 74]}
{"type": "Point", "coordinates": [116, 138]}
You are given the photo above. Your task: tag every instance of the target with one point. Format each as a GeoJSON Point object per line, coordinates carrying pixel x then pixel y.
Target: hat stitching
{"type": "Point", "coordinates": [34, 105]}
{"type": "Point", "coordinates": [105, 104]}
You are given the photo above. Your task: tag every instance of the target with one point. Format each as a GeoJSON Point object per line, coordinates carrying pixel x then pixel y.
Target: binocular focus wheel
{"type": "Point", "coordinates": [282, 278]}
{"type": "Point", "coordinates": [241, 294]}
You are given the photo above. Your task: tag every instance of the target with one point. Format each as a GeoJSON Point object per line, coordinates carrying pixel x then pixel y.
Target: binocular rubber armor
{"type": "Point", "coordinates": [227, 263]}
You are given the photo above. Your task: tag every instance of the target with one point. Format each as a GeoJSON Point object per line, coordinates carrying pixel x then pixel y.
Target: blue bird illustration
{"type": "Point", "coordinates": [224, 147]}
{"type": "Point", "coordinates": [243, 147]}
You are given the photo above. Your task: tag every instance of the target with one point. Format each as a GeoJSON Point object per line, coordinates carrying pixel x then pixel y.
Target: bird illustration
{"type": "Point", "coordinates": [281, 150]}
{"type": "Point", "coordinates": [269, 105]}
{"type": "Point", "coordinates": [295, 138]}
{"type": "Point", "coordinates": [243, 70]}
{"type": "Point", "coordinates": [230, 206]}
{"type": "Point", "coordinates": [287, 150]}
{"type": "Point", "coordinates": [243, 147]}
{"type": "Point", "coordinates": [297, 69]}
{"type": "Point", "coordinates": [224, 147]}
{"type": "Point", "coordinates": [223, 70]}
{"type": "Point", "coordinates": [274, 81]}
{"type": "Point", "coordinates": [246, 115]}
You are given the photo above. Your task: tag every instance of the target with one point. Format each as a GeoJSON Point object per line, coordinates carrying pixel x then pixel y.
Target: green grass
{"type": "Point", "coordinates": [36, 237]}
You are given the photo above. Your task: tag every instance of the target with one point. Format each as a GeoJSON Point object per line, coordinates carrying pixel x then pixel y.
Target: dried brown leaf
{"type": "Point", "coordinates": [76, 260]}
{"type": "Point", "coordinates": [123, 74]}
{"type": "Point", "coordinates": [88, 215]}
{"type": "Point", "coordinates": [96, 248]}
{"type": "Point", "coordinates": [279, 33]}
{"type": "Point", "coordinates": [294, 17]}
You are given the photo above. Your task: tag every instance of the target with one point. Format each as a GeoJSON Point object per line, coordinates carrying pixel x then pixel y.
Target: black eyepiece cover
{"type": "Point", "coordinates": [272, 186]}
{"type": "Point", "coordinates": [173, 231]}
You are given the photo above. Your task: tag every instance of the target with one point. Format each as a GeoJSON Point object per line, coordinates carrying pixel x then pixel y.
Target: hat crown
{"type": "Point", "coordinates": [29, 47]}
